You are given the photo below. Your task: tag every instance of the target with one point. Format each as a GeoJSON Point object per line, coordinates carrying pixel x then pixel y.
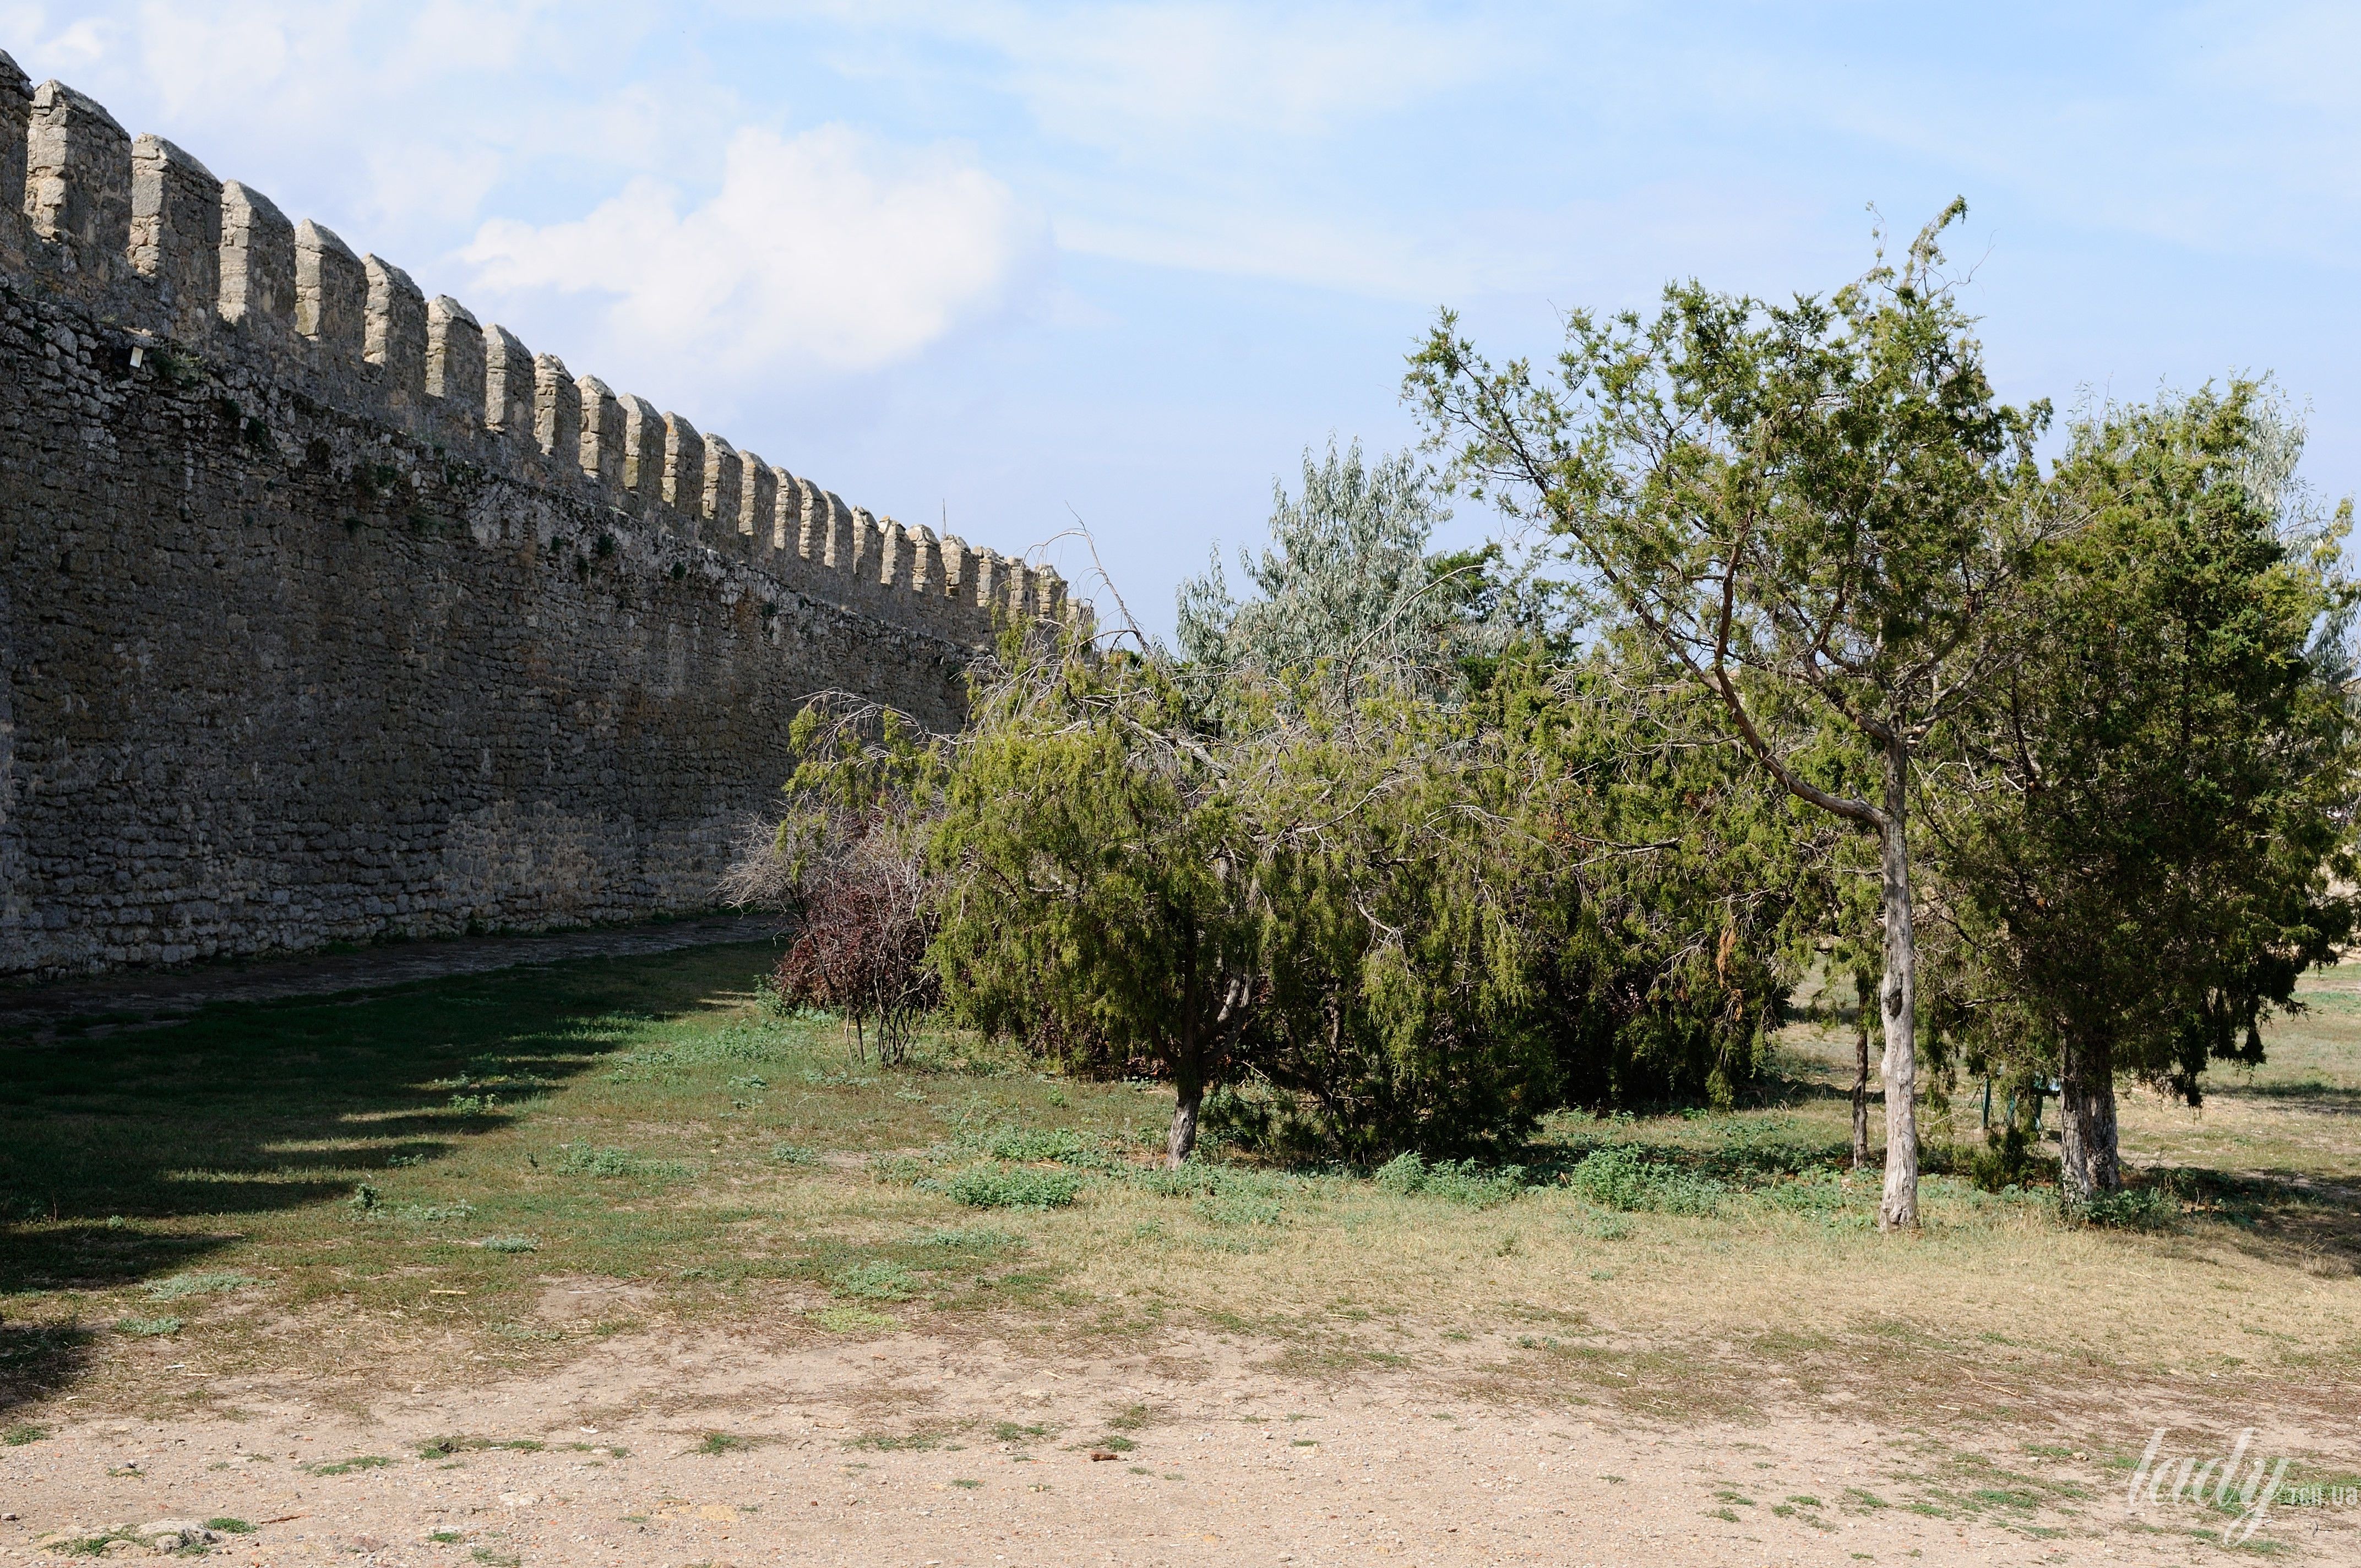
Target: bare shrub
{"type": "Point", "coordinates": [861, 945]}
{"type": "Point", "coordinates": [846, 866]}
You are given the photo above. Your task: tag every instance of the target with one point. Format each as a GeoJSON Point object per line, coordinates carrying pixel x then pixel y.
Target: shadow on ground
{"type": "Point", "coordinates": [126, 1159]}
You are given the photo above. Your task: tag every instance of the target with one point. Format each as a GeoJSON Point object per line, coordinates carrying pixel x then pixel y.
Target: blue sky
{"type": "Point", "coordinates": [1008, 265]}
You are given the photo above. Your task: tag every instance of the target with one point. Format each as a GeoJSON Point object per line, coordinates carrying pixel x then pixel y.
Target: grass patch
{"type": "Point", "coordinates": [610, 1163]}
{"type": "Point", "coordinates": [875, 1282]}
{"type": "Point", "coordinates": [179, 1286]}
{"type": "Point", "coordinates": [1621, 1177]}
{"type": "Point", "coordinates": [659, 1137]}
{"type": "Point", "coordinates": [1001, 1187]}
{"type": "Point", "coordinates": [1460, 1181]}
{"type": "Point", "coordinates": [852, 1320]}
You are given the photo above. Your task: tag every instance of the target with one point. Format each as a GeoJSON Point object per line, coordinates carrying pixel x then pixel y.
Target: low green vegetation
{"type": "Point", "coordinates": [215, 1161]}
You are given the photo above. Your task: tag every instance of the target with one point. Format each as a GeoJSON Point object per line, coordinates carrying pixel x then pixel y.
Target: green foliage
{"type": "Point", "coordinates": [149, 1328]}
{"type": "Point", "coordinates": [1620, 1176]}
{"type": "Point", "coordinates": [874, 1281]}
{"type": "Point", "coordinates": [2007, 1159]}
{"type": "Point", "coordinates": [1811, 511]}
{"type": "Point", "coordinates": [1107, 887]}
{"type": "Point", "coordinates": [581, 1160]}
{"type": "Point", "coordinates": [175, 1287]}
{"type": "Point", "coordinates": [2154, 842]}
{"type": "Point", "coordinates": [1000, 1187]}
{"type": "Point", "coordinates": [2128, 1209]}
{"type": "Point", "coordinates": [1344, 579]}
{"type": "Point", "coordinates": [1460, 1181]}
{"type": "Point", "coordinates": [1037, 1143]}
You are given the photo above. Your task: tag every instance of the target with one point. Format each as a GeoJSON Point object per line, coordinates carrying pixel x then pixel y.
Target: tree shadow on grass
{"type": "Point", "coordinates": [2287, 1218]}
{"type": "Point", "coordinates": [37, 1360]}
{"type": "Point", "coordinates": [2322, 1099]}
{"type": "Point", "coordinates": [130, 1157]}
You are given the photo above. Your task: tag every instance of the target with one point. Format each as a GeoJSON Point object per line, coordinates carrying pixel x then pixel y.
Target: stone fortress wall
{"type": "Point", "coordinates": [328, 613]}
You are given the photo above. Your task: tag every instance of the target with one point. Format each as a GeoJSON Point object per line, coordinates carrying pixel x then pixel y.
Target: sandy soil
{"type": "Point", "coordinates": [1230, 1465]}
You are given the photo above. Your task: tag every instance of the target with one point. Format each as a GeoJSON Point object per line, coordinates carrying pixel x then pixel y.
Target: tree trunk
{"type": "Point", "coordinates": [1190, 1093]}
{"type": "Point", "coordinates": [2088, 1162]}
{"type": "Point", "coordinates": [1898, 1210]}
{"type": "Point", "coordinates": [1865, 989]}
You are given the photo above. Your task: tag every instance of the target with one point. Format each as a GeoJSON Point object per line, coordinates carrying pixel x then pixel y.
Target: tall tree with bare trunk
{"type": "Point", "coordinates": [1814, 508]}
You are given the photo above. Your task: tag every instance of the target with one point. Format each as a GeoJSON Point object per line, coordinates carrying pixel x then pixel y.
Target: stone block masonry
{"type": "Point", "coordinates": [329, 614]}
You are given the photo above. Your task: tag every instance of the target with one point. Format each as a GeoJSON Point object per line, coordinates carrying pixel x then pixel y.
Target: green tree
{"type": "Point", "coordinates": [1345, 579]}
{"type": "Point", "coordinates": [2163, 787]}
{"type": "Point", "coordinates": [1106, 880]}
{"type": "Point", "coordinates": [1810, 508]}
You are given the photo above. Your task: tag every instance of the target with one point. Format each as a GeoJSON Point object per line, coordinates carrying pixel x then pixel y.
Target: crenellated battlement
{"type": "Point", "coordinates": [142, 233]}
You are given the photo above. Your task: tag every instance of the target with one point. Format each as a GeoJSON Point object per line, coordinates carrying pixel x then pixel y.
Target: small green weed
{"type": "Point", "coordinates": [2133, 1209]}
{"type": "Point", "coordinates": [874, 1281]}
{"type": "Point", "coordinates": [969, 1238]}
{"type": "Point", "coordinates": [446, 1447]}
{"type": "Point", "coordinates": [149, 1328]}
{"type": "Point", "coordinates": [19, 1436]}
{"type": "Point", "coordinates": [723, 1443]}
{"type": "Point", "coordinates": [510, 1244]}
{"type": "Point", "coordinates": [347, 1466]}
{"type": "Point", "coordinates": [581, 1160]}
{"type": "Point", "coordinates": [993, 1187]}
{"type": "Point", "coordinates": [182, 1285]}
{"type": "Point", "coordinates": [1239, 1209]}
{"type": "Point", "coordinates": [1618, 1177]}
{"type": "Point", "coordinates": [1037, 1143]}
{"type": "Point", "coordinates": [851, 1320]}
{"type": "Point", "coordinates": [228, 1526]}
{"type": "Point", "coordinates": [1457, 1182]}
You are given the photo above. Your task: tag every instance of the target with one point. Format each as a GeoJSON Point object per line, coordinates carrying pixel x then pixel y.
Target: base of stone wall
{"type": "Point", "coordinates": [30, 1013]}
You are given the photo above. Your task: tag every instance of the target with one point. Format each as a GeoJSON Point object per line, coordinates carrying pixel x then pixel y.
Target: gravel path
{"type": "Point", "coordinates": [151, 997]}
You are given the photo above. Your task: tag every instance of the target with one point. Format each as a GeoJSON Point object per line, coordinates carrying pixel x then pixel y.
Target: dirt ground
{"type": "Point", "coordinates": [922, 1451]}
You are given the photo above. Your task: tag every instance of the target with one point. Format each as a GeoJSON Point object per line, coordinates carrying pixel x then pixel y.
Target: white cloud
{"type": "Point", "coordinates": [1132, 77]}
{"type": "Point", "coordinates": [827, 251]}
{"type": "Point", "coordinates": [1112, 73]}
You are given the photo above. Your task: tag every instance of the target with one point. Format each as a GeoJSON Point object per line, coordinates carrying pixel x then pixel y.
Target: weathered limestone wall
{"type": "Point", "coordinates": [327, 613]}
